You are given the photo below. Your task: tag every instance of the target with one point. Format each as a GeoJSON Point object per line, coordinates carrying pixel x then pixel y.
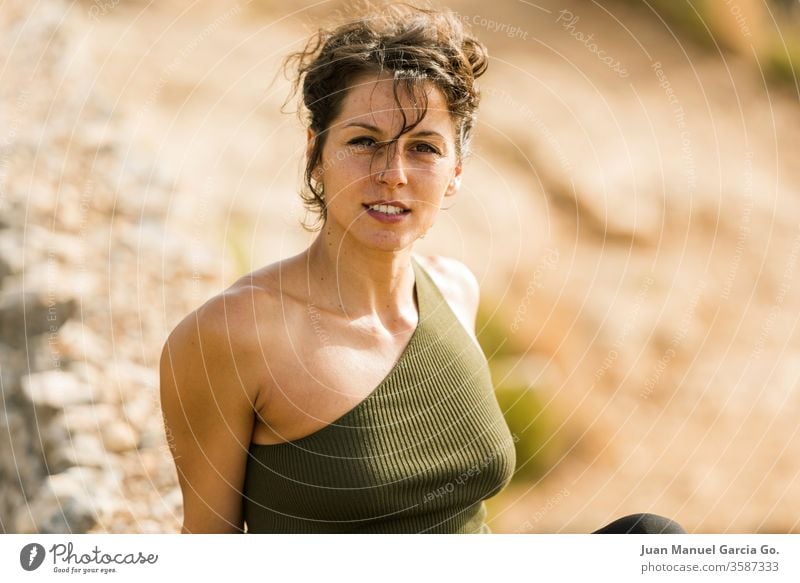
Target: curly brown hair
{"type": "Point", "coordinates": [411, 43]}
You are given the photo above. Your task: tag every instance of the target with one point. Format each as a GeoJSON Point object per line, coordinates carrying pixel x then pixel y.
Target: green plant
{"type": "Point", "coordinates": [531, 424]}
{"type": "Point", "coordinates": [537, 445]}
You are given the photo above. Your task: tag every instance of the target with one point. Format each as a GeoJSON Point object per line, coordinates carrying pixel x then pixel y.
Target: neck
{"type": "Point", "coordinates": [361, 282]}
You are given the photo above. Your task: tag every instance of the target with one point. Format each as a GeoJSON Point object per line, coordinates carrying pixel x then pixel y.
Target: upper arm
{"type": "Point", "coordinates": [208, 404]}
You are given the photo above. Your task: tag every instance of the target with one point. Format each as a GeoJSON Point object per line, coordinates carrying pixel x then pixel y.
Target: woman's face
{"type": "Point", "coordinates": [386, 194]}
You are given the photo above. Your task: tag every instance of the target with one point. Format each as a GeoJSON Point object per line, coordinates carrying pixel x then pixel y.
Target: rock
{"type": "Point", "coordinates": [131, 380]}
{"type": "Point", "coordinates": [139, 409]}
{"type": "Point", "coordinates": [9, 380]}
{"type": "Point", "coordinates": [119, 437]}
{"type": "Point", "coordinates": [86, 418]}
{"type": "Point", "coordinates": [20, 458]}
{"type": "Point", "coordinates": [150, 527]}
{"type": "Point", "coordinates": [106, 504]}
{"type": "Point", "coordinates": [154, 434]}
{"type": "Point", "coordinates": [87, 372]}
{"type": "Point", "coordinates": [67, 248]}
{"type": "Point", "coordinates": [8, 264]}
{"type": "Point", "coordinates": [27, 314]}
{"type": "Point", "coordinates": [71, 218]}
{"type": "Point", "coordinates": [56, 389]}
{"type": "Point", "coordinates": [173, 500]}
{"type": "Point", "coordinates": [11, 499]}
{"type": "Point", "coordinates": [76, 341]}
{"type": "Point", "coordinates": [11, 249]}
{"type": "Point", "coordinates": [88, 451]}
{"type": "Point", "coordinates": [81, 450]}
{"type": "Point", "coordinates": [72, 424]}
{"type": "Point", "coordinates": [63, 505]}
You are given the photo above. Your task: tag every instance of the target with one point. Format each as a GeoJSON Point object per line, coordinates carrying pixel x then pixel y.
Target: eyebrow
{"type": "Point", "coordinates": [372, 128]}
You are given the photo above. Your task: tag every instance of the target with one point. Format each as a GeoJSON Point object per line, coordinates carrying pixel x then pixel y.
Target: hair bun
{"type": "Point", "coordinates": [477, 55]}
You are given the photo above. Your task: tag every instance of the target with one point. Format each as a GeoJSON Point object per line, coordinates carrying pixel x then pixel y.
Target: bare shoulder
{"type": "Point", "coordinates": [228, 317]}
{"type": "Point", "coordinates": [457, 283]}
{"type": "Point", "coordinates": [224, 337]}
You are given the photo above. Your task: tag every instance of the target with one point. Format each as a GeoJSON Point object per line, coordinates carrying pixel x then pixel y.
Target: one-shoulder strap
{"type": "Point", "coordinates": [438, 312]}
{"type": "Point", "coordinates": [422, 285]}
{"type": "Point", "coordinates": [433, 306]}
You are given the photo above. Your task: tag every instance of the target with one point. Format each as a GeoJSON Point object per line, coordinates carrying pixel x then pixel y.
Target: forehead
{"type": "Point", "coordinates": [371, 99]}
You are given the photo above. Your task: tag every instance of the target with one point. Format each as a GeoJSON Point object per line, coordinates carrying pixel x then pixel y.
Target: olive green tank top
{"type": "Point", "coordinates": [419, 454]}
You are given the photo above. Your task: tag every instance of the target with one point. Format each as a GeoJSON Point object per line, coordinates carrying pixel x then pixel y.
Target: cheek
{"type": "Point", "coordinates": [343, 166]}
{"type": "Point", "coordinates": [438, 177]}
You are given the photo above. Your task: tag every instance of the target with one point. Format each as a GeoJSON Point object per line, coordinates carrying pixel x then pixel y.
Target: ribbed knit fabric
{"type": "Point", "coordinates": [418, 455]}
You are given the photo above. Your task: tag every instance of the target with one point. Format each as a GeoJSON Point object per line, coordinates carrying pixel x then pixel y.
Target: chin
{"type": "Point", "coordinates": [387, 241]}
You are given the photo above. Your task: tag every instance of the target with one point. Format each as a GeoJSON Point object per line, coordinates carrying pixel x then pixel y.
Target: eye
{"type": "Point", "coordinates": [426, 148]}
{"type": "Point", "coordinates": [362, 142]}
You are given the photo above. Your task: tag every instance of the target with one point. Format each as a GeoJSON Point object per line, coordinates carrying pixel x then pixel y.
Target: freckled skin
{"type": "Point", "coordinates": [421, 170]}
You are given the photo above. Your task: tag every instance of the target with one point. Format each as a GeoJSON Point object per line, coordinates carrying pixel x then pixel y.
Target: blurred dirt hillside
{"type": "Point", "coordinates": [631, 208]}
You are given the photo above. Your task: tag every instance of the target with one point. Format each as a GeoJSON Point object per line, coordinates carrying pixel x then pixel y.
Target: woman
{"type": "Point", "coordinates": [343, 389]}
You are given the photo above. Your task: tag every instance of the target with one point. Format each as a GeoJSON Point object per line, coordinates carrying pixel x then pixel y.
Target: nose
{"type": "Point", "coordinates": [393, 174]}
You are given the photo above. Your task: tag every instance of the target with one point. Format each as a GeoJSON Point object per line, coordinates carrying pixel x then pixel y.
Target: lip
{"type": "Point", "coordinates": [396, 203]}
{"type": "Point", "coordinates": [386, 218]}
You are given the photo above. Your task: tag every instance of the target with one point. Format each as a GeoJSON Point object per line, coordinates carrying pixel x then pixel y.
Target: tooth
{"type": "Point", "coordinates": [387, 209]}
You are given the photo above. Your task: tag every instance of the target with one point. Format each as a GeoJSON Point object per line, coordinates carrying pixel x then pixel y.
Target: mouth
{"type": "Point", "coordinates": [390, 208]}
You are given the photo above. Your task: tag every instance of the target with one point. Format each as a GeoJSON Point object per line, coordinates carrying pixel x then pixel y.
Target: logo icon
{"type": "Point", "coordinates": [31, 556]}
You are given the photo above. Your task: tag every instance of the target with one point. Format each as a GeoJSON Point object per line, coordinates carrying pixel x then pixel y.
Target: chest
{"type": "Point", "coordinates": [429, 440]}
{"type": "Point", "coordinates": [317, 376]}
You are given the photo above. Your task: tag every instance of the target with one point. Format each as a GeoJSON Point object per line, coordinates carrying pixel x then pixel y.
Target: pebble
{"type": "Point", "coordinates": [63, 505]}
{"type": "Point", "coordinates": [26, 314]}
{"type": "Point", "coordinates": [119, 437]}
{"type": "Point", "coordinates": [57, 389]}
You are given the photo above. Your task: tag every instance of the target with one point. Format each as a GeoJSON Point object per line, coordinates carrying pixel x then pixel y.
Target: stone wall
{"type": "Point", "coordinates": [85, 252]}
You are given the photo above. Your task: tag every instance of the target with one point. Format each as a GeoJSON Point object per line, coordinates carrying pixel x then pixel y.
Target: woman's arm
{"type": "Point", "coordinates": [208, 398]}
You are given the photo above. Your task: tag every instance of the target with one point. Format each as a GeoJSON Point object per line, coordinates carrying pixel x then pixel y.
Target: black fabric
{"type": "Point", "coordinates": [642, 524]}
